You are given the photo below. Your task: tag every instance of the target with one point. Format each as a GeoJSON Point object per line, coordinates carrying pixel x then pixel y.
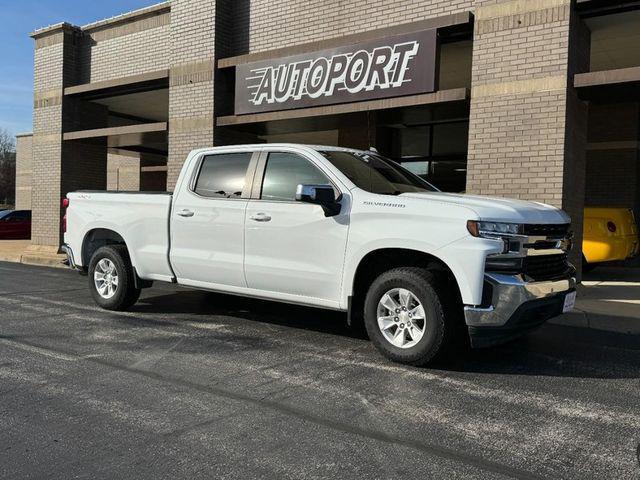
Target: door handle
{"type": "Point", "coordinates": [185, 213]}
{"type": "Point", "coordinates": [260, 217]}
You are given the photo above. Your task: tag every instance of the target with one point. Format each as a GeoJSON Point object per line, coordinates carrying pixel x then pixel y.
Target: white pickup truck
{"type": "Point", "coordinates": [333, 228]}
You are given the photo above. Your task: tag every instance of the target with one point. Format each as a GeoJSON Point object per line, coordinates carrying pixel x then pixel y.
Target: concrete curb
{"type": "Point", "coordinates": [15, 258]}
{"type": "Point", "coordinates": [39, 260]}
{"type": "Point", "coordinates": [44, 261]}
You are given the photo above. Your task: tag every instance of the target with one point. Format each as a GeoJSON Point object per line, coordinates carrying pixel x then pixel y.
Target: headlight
{"type": "Point", "coordinates": [493, 229]}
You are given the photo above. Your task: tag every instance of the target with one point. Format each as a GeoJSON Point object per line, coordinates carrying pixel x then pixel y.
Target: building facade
{"type": "Point", "coordinates": [530, 99]}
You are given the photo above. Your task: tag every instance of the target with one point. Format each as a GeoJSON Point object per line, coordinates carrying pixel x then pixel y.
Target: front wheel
{"type": "Point", "coordinates": [407, 317]}
{"type": "Point", "coordinates": [111, 278]}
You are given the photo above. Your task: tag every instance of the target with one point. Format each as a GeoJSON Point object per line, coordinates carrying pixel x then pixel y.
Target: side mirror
{"type": "Point", "coordinates": [323, 195]}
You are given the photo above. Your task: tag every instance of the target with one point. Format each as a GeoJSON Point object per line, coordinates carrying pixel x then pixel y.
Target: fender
{"type": "Point", "coordinates": [465, 258]}
{"type": "Point", "coordinates": [107, 226]}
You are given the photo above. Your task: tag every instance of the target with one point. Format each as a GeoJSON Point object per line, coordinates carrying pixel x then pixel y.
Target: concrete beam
{"type": "Point", "coordinates": [121, 83]}
{"type": "Point", "coordinates": [113, 131]}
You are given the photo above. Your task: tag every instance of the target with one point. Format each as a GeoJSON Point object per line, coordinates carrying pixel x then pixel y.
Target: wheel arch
{"type": "Point", "coordinates": [100, 237]}
{"type": "Point", "coordinates": [380, 260]}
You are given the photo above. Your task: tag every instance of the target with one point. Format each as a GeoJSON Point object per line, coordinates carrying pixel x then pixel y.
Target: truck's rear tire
{"type": "Point", "coordinates": [111, 278]}
{"type": "Point", "coordinates": [408, 317]}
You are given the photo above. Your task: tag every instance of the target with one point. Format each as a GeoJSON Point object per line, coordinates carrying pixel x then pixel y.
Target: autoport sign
{"type": "Point", "coordinates": [390, 67]}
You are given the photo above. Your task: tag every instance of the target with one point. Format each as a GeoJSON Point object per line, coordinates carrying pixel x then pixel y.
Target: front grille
{"type": "Point", "coordinates": [547, 267]}
{"type": "Point", "coordinates": [547, 230]}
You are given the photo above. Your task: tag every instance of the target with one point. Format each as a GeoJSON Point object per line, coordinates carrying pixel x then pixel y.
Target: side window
{"type": "Point", "coordinates": [284, 172]}
{"type": "Point", "coordinates": [223, 175]}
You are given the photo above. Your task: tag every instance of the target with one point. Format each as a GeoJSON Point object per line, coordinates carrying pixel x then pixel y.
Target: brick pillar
{"type": "Point", "coordinates": [60, 167]}
{"type": "Point", "coordinates": [123, 172]}
{"type": "Point", "coordinates": [53, 48]}
{"type": "Point", "coordinates": [191, 81]}
{"type": "Point", "coordinates": [527, 134]}
{"type": "Point", "coordinates": [24, 157]}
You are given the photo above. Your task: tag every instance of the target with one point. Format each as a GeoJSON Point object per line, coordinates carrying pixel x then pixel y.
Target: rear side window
{"type": "Point", "coordinates": [223, 175]}
{"type": "Point", "coordinates": [284, 172]}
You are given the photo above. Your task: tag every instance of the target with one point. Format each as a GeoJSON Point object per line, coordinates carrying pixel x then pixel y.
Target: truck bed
{"type": "Point", "coordinates": [140, 217]}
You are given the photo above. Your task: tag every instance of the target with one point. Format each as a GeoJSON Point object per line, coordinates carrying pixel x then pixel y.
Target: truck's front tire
{"type": "Point", "coordinates": [111, 278]}
{"type": "Point", "coordinates": [408, 317]}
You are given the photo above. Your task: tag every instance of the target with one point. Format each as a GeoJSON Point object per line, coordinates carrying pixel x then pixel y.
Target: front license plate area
{"type": "Point", "coordinates": [569, 302]}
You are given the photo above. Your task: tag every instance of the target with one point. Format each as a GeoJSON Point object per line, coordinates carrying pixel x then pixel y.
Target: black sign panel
{"type": "Point", "coordinates": [390, 67]}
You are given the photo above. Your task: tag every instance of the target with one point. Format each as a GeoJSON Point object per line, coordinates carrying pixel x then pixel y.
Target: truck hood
{"type": "Point", "coordinates": [498, 209]}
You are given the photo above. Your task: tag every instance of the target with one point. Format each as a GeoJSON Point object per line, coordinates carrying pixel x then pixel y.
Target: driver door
{"type": "Point", "coordinates": [291, 248]}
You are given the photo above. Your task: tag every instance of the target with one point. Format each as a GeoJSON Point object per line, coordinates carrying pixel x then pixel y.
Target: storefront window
{"type": "Point", "coordinates": [450, 138]}
{"type": "Point", "coordinates": [414, 141]}
{"type": "Point", "coordinates": [420, 168]}
{"type": "Point", "coordinates": [436, 152]}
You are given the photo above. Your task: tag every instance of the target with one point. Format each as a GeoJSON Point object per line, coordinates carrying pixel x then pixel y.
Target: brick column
{"type": "Point", "coordinates": [24, 157]}
{"type": "Point", "coordinates": [60, 167]}
{"type": "Point", "coordinates": [53, 47]}
{"type": "Point", "coordinates": [191, 81]}
{"type": "Point", "coordinates": [527, 134]}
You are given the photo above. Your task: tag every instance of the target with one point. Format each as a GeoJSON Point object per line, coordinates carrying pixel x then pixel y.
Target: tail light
{"type": "Point", "coordinates": [611, 227]}
{"type": "Point", "coordinates": [65, 205]}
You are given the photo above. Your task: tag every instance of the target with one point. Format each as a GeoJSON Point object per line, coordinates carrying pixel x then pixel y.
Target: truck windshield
{"type": "Point", "coordinates": [376, 174]}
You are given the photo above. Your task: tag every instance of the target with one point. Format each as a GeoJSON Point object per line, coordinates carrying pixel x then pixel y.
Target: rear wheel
{"type": "Point", "coordinates": [111, 278]}
{"type": "Point", "coordinates": [407, 316]}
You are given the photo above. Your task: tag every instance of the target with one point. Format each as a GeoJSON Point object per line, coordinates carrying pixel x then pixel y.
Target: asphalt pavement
{"type": "Point", "coordinates": [191, 384]}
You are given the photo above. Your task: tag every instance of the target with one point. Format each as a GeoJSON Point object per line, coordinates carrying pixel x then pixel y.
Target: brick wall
{"type": "Point", "coordinates": [519, 103]}
{"type": "Point", "coordinates": [59, 167]}
{"type": "Point", "coordinates": [53, 70]}
{"type": "Point", "coordinates": [281, 23]}
{"type": "Point", "coordinates": [24, 157]}
{"type": "Point", "coordinates": [121, 49]}
{"type": "Point", "coordinates": [123, 172]}
{"type": "Point", "coordinates": [192, 52]}
{"type": "Point", "coordinates": [527, 130]}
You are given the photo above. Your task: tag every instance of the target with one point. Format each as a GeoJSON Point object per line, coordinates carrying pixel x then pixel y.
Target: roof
{"type": "Point", "coordinates": [107, 21]}
{"type": "Point", "coordinates": [128, 15]}
{"type": "Point", "coordinates": [256, 146]}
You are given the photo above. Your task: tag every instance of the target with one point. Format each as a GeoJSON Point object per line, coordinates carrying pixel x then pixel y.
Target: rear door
{"type": "Point", "coordinates": [207, 223]}
{"type": "Point", "coordinates": [292, 248]}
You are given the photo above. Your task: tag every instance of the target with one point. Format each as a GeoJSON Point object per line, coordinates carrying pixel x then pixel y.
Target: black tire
{"type": "Point", "coordinates": [441, 315]}
{"type": "Point", "coordinates": [126, 294]}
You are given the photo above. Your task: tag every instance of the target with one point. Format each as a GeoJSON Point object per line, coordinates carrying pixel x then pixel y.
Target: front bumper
{"type": "Point", "coordinates": [515, 307]}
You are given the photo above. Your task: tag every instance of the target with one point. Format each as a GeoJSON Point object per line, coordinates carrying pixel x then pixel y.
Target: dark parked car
{"type": "Point", "coordinates": [15, 224]}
